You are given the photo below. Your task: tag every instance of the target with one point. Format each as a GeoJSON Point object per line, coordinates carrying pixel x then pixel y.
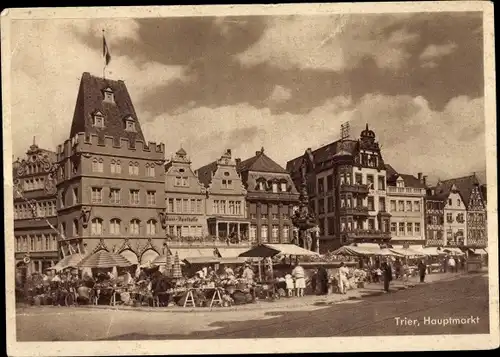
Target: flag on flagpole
{"type": "Point", "coordinates": [105, 50]}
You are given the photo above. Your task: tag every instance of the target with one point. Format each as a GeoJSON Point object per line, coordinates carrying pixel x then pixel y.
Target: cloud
{"type": "Point", "coordinates": [47, 64]}
{"type": "Point", "coordinates": [432, 53]}
{"type": "Point", "coordinates": [414, 138]}
{"type": "Point", "coordinates": [334, 42]}
{"type": "Point", "coordinates": [280, 94]}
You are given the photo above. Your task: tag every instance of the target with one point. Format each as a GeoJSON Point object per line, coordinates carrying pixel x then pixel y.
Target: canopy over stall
{"type": "Point", "coordinates": [104, 259]}
{"type": "Point", "coordinates": [478, 251]}
{"type": "Point", "coordinates": [453, 251]}
{"type": "Point", "coordinates": [202, 260]}
{"type": "Point", "coordinates": [270, 250]}
{"type": "Point", "coordinates": [364, 250]}
{"type": "Point", "coordinates": [408, 252]}
{"type": "Point", "coordinates": [70, 261]}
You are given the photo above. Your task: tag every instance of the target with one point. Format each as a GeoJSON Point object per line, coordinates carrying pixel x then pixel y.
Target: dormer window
{"type": "Point", "coordinates": [109, 95]}
{"type": "Point", "coordinates": [129, 124]}
{"type": "Point", "coordinates": [98, 120]}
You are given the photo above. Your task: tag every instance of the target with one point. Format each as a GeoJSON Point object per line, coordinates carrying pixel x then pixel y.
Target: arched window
{"type": "Point", "coordinates": [151, 227]}
{"type": "Point", "coordinates": [97, 165]}
{"type": "Point", "coordinates": [114, 226]}
{"type": "Point", "coordinates": [150, 170]}
{"type": "Point", "coordinates": [96, 226]}
{"type": "Point", "coordinates": [134, 226]}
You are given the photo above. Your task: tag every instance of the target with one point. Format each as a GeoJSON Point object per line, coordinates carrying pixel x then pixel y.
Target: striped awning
{"type": "Point", "coordinates": [70, 261]}
{"type": "Point", "coordinates": [104, 259]}
{"type": "Point", "coordinates": [453, 250]}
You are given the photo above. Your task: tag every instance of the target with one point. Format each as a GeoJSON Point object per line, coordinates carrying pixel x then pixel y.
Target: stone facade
{"type": "Point", "coordinates": [110, 183]}
{"type": "Point", "coordinates": [271, 198]}
{"type": "Point", "coordinates": [36, 243]}
{"type": "Point", "coordinates": [353, 174]}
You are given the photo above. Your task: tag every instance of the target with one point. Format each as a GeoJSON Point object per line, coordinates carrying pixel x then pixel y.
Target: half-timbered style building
{"type": "Point", "coordinates": [434, 218]}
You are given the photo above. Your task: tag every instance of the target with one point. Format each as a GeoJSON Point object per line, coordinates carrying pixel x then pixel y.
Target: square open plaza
{"type": "Point", "coordinates": [110, 218]}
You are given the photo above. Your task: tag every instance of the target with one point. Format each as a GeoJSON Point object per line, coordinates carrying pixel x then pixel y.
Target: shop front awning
{"type": "Point", "coordinates": [453, 250]}
{"type": "Point", "coordinates": [202, 260]}
{"type": "Point", "coordinates": [231, 252]}
{"type": "Point", "coordinates": [185, 253]}
{"type": "Point", "coordinates": [270, 250]}
{"type": "Point", "coordinates": [478, 251]}
{"type": "Point", "coordinates": [412, 251]}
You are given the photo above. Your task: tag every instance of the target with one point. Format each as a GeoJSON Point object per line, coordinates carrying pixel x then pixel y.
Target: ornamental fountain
{"type": "Point", "coordinates": [306, 232]}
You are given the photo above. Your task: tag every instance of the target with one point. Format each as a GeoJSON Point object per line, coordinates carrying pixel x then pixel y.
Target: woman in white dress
{"type": "Point", "coordinates": [300, 281]}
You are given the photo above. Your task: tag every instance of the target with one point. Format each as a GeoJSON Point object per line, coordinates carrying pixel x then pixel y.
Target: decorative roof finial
{"type": "Point", "coordinates": [366, 126]}
{"type": "Point", "coordinates": [34, 140]}
{"type": "Point", "coordinates": [262, 150]}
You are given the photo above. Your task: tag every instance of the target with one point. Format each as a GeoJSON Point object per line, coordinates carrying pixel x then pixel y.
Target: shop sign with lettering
{"type": "Point", "coordinates": [181, 219]}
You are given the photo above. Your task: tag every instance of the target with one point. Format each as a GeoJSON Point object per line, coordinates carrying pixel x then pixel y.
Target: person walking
{"type": "Point", "coordinates": [342, 278]}
{"type": "Point", "coordinates": [322, 279]}
{"type": "Point", "coordinates": [452, 264]}
{"type": "Point", "coordinates": [387, 274]}
{"type": "Point", "coordinates": [298, 274]}
{"type": "Point", "coordinates": [422, 269]}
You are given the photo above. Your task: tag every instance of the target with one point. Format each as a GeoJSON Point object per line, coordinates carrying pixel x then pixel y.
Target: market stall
{"type": "Point", "coordinates": [103, 262]}
{"type": "Point", "coordinates": [68, 262]}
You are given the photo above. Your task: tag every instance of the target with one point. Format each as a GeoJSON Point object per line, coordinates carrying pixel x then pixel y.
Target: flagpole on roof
{"type": "Point", "coordinates": [105, 53]}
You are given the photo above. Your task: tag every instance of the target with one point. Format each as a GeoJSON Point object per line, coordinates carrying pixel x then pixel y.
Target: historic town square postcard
{"type": "Point", "coordinates": [250, 179]}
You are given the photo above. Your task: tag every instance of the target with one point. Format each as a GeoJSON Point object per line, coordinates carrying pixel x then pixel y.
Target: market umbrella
{"type": "Point", "coordinates": [70, 261]}
{"type": "Point", "coordinates": [176, 271]}
{"type": "Point", "coordinates": [104, 259]}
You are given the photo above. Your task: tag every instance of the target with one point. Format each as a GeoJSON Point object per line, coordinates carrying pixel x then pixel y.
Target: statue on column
{"type": "Point", "coordinates": [308, 240]}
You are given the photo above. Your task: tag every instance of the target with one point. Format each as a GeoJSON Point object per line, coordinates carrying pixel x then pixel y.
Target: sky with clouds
{"type": "Point", "coordinates": [284, 83]}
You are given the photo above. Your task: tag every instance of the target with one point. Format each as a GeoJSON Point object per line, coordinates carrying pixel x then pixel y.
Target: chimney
{"type": "Point", "coordinates": [238, 161]}
{"type": "Point", "coordinates": [257, 153]}
{"type": "Point", "coordinates": [419, 176]}
{"type": "Point", "coordinates": [424, 180]}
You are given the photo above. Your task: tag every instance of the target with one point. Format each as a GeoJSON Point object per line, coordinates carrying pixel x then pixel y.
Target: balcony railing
{"type": "Point", "coordinates": [406, 191]}
{"type": "Point", "coordinates": [208, 241]}
{"type": "Point", "coordinates": [479, 243]}
{"type": "Point", "coordinates": [354, 211]}
{"type": "Point", "coordinates": [366, 234]}
{"type": "Point", "coordinates": [354, 188]}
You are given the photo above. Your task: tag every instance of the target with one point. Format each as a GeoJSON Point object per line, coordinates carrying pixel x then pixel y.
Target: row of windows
{"type": "Point", "coordinates": [264, 234]}
{"type": "Point", "coordinates": [185, 231]}
{"type": "Point", "coordinates": [460, 218]}
{"type": "Point", "coordinates": [321, 205]}
{"type": "Point", "coordinates": [134, 196]}
{"type": "Point", "coordinates": [273, 186]}
{"type": "Point", "coordinates": [346, 179]}
{"type": "Point", "coordinates": [349, 224]}
{"type": "Point", "coordinates": [405, 228]}
{"type": "Point", "coordinates": [194, 206]}
{"type": "Point", "coordinates": [114, 227]}
{"type": "Point", "coordinates": [43, 209]}
{"type": "Point", "coordinates": [459, 202]}
{"type": "Point", "coordinates": [116, 168]}
{"type": "Point", "coordinates": [34, 169]}
{"type": "Point", "coordinates": [36, 243]}
{"type": "Point", "coordinates": [226, 207]}
{"type": "Point", "coordinates": [410, 206]}
{"type": "Point", "coordinates": [274, 216]}
{"type": "Point", "coordinates": [37, 183]}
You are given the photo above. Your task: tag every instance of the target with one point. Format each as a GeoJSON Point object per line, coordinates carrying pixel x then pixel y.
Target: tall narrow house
{"type": "Point", "coordinates": [271, 198]}
{"type": "Point", "coordinates": [110, 182]}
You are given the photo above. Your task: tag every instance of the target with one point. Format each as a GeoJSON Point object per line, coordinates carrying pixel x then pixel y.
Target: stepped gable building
{"type": "Point", "coordinates": [271, 198]}
{"type": "Point", "coordinates": [406, 205]}
{"type": "Point", "coordinates": [226, 206]}
{"type": "Point", "coordinates": [434, 218]}
{"type": "Point", "coordinates": [36, 247]}
{"type": "Point", "coordinates": [347, 191]}
{"type": "Point", "coordinates": [185, 201]}
{"type": "Point", "coordinates": [465, 212]}
{"type": "Point", "coordinates": [110, 182]}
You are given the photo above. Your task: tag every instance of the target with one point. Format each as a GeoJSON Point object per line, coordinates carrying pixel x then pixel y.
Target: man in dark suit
{"type": "Point", "coordinates": [387, 274]}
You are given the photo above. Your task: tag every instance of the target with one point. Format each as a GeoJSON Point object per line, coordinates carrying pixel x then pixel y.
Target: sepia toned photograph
{"type": "Point", "coordinates": [214, 179]}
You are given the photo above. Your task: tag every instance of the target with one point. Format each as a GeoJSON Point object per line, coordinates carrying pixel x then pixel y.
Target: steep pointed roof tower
{"type": "Point", "coordinates": [104, 107]}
